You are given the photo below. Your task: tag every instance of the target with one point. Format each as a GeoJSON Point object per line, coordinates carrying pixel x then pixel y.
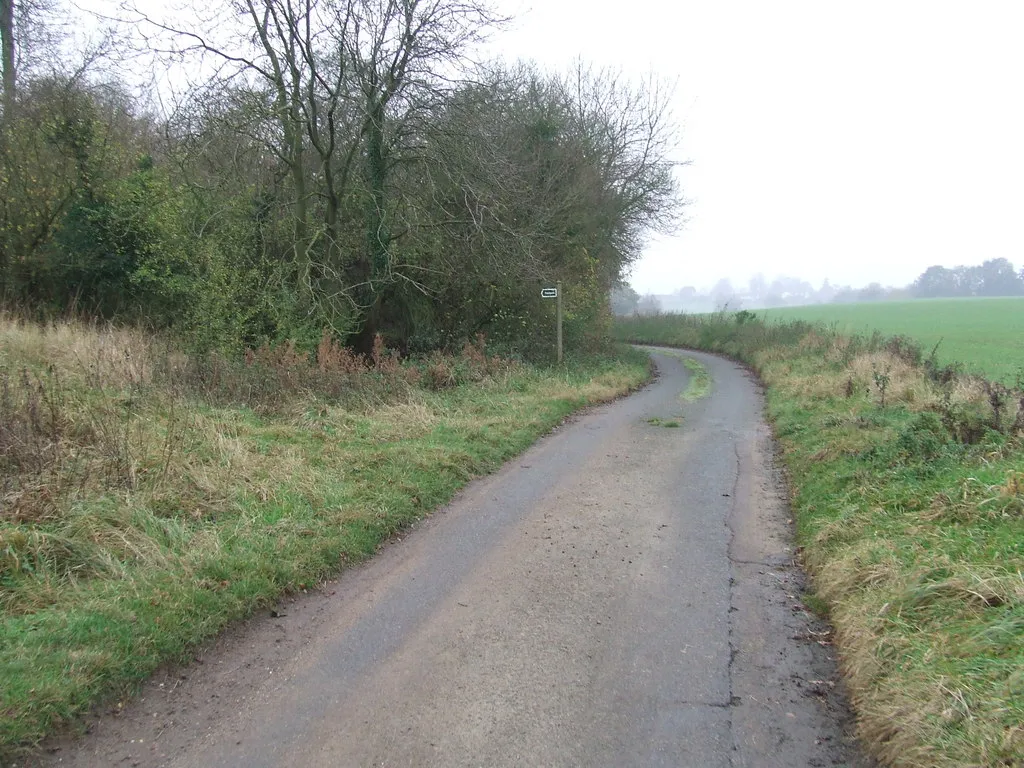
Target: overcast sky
{"type": "Point", "coordinates": [855, 141]}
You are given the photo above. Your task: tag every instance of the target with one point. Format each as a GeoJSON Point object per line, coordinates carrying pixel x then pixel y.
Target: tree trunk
{"type": "Point", "coordinates": [302, 224]}
{"type": "Point", "coordinates": [370, 268]}
{"type": "Point", "coordinates": [7, 102]}
{"type": "Point", "coordinates": [376, 171]}
{"type": "Point", "coordinates": [7, 53]}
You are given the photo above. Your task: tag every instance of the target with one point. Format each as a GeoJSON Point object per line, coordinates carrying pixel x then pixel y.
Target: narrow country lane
{"type": "Point", "coordinates": [623, 594]}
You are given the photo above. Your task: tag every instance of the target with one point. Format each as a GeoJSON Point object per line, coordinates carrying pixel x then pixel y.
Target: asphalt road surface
{"type": "Point", "coordinates": [623, 594]}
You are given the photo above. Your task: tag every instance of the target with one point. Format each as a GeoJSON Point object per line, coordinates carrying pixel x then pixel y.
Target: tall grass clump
{"type": "Point", "coordinates": [907, 483]}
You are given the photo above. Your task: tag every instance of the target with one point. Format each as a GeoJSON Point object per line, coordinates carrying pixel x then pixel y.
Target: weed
{"type": "Point", "coordinates": [744, 316]}
{"type": "Point", "coordinates": [943, 375]}
{"type": "Point", "coordinates": [998, 398]}
{"type": "Point", "coordinates": [1018, 422]}
{"type": "Point", "coordinates": [923, 439]}
{"type": "Point", "coordinates": [657, 421]}
{"type": "Point", "coordinates": [882, 379]}
{"type": "Point", "coordinates": [904, 348]}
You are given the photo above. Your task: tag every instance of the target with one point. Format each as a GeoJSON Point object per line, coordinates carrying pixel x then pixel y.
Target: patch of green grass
{"type": "Point", "coordinates": [815, 604]}
{"type": "Point", "coordinates": [198, 515]}
{"type": "Point", "coordinates": [986, 335]}
{"type": "Point", "coordinates": [700, 381]}
{"type": "Point", "coordinates": [699, 384]}
{"type": "Point", "coordinates": [657, 421]}
{"type": "Point", "coordinates": [910, 516]}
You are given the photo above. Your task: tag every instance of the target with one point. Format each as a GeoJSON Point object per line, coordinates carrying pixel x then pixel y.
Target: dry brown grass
{"type": "Point", "coordinates": [864, 563]}
{"type": "Point", "coordinates": [902, 702]}
{"type": "Point", "coordinates": [403, 421]}
{"type": "Point", "coordinates": [89, 410]}
{"type": "Point", "coordinates": [599, 389]}
{"type": "Point", "coordinates": [904, 384]}
{"type": "Point", "coordinates": [974, 500]}
{"type": "Point", "coordinates": [104, 356]}
{"type": "Point", "coordinates": [907, 384]}
{"type": "Point", "coordinates": [59, 441]}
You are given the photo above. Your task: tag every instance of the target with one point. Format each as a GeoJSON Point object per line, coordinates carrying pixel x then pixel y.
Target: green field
{"type": "Point", "coordinates": [987, 335]}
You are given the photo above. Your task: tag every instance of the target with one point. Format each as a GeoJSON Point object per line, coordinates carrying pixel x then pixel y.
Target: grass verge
{"type": "Point", "coordinates": [149, 500]}
{"type": "Point", "coordinates": [907, 484]}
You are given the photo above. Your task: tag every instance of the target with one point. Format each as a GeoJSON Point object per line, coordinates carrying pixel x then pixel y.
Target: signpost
{"type": "Point", "coordinates": [556, 293]}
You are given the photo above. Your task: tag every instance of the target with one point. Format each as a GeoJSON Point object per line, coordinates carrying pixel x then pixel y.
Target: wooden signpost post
{"type": "Point", "coordinates": [556, 293]}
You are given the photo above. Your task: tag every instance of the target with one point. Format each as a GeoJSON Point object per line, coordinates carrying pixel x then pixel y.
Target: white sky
{"type": "Point", "coordinates": [855, 141]}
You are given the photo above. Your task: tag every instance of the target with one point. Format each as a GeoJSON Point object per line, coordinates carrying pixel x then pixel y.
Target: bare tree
{"type": "Point", "coordinates": [535, 178]}
{"type": "Point", "coordinates": [347, 84]}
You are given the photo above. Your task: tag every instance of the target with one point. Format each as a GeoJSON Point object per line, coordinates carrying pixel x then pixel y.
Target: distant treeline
{"type": "Point", "coordinates": [995, 277]}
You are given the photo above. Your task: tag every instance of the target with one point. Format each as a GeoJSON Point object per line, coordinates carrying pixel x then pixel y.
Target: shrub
{"type": "Point", "coordinates": [925, 438]}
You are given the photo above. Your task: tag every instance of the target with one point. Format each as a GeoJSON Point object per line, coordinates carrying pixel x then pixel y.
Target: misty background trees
{"type": "Point", "coordinates": [994, 277]}
{"type": "Point", "coordinates": [333, 164]}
